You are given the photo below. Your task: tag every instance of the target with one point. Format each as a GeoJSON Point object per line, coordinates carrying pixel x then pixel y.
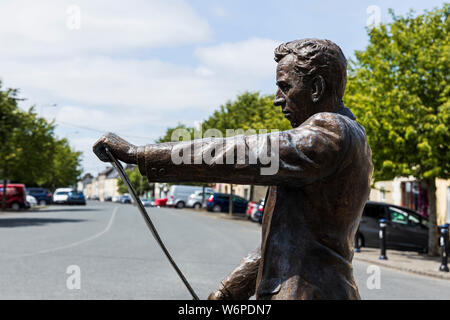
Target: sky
{"type": "Point", "coordinates": [137, 67]}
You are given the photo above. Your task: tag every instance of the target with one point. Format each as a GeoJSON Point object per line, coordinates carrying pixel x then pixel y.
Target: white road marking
{"type": "Point", "coordinates": [74, 244]}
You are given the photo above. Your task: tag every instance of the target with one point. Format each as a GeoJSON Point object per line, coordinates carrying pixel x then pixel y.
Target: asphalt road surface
{"type": "Point", "coordinates": [105, 251]}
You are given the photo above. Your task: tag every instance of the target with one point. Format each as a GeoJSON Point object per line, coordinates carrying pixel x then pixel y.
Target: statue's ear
{"type": "Point", "coordinates": [318, 88]}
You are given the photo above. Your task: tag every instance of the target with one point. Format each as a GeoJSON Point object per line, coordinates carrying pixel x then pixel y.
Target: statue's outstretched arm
{"type": "Point", "coordinates": [296, 157]}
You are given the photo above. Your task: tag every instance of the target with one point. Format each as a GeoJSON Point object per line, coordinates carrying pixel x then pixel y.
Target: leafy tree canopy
{"type": "Point", "coordinates": [399, 89]}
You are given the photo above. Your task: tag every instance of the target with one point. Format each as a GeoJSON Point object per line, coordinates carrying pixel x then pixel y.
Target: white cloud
{"type": "Point", "coordinates": [250, 58]}
{"type": "Point", "coordinates": [94, 77]}
{"type": "Point", "coordinates": [37, 28]}
{"type": "Point", "coordinates": [152, 85]}
{"type": "Point", "coordinates": [118, 83]}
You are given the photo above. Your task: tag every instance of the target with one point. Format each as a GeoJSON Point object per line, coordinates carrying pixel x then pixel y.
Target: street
{"type": "Point", "coordinates": [117, 258]}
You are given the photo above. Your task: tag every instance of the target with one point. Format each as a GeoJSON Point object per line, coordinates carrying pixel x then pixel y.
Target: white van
{"type": "Point", "coordinates": [178, 195]}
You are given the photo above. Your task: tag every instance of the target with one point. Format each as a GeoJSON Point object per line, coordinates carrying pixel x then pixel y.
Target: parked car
{"type": "Point", "coordinates": [31, 201]}
{"type": "Point", "coordinates": [61, 194]}
{"type": "Point", "coordinates": [42, 195]}
{"type": "Point", "coordinates": [255, 210]}
{"type": "Point", "coordinates": [178, 195]}
{"type": "Point", "coordinates": [406, 229]}
{"type": "Point", "coordinates": [76, 197]}
{"type": "Point", "coordinates": [195, 199]}
{"type": "Point", "coordinates": [146, 202]}
{"type": "Point", "coordinates": [220, 202]}
{"type": "Point", "coordinates": [16, 196]}
{"type": "Point", "coordinates": [125, 198]}
{"type": "Point", "coordinates": [160, 202]}
{"type": "Point", "coordinates": [115, 199]}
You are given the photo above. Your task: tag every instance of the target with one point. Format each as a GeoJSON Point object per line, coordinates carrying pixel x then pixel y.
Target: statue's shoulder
{"type": "Point", "coordinates": [329, 121]}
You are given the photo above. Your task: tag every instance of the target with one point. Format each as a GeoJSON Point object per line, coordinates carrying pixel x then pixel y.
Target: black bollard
{"type": "Point", "coordinates": [357, 243]}
{"type": "Point", "coordinates": [382, 235]}
{"type": "Point", "coordinates": [443, 241]}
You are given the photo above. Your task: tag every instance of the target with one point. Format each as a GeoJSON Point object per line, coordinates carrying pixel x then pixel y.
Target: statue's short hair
{"type": "Point", "coordinates": [315, 56]}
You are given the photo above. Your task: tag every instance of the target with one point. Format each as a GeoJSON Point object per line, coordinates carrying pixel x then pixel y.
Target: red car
{"type": "Point", "coordinates": [16, 196]}
{"type": "Point", "coordinates": [255, 210]}
{"type": "Point", "coordinates": [161, 202]}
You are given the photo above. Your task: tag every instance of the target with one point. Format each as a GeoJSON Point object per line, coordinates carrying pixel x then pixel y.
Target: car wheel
{"type": "Point", "coordinates": [216, 208]}
{"type": "Point", "coordinates": [180, 205]}
{"type": "Point", "coordinates": [42, 203]}
{"type": "Point", "coordinates": [15, 206]}
{"type": "Point", "coordinates": [197, 206]}
{"type": "Point", "coordinates": [359, 241]}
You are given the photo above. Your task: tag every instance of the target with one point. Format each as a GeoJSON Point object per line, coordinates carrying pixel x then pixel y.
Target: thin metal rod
{"type": "Point", "coordinates": [116, 164]}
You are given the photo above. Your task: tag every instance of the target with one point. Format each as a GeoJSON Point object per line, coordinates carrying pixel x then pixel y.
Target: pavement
{"type": "Point", "coordinates": [112, 252]}
{"type": "Point", "coordinates": [407, 261]}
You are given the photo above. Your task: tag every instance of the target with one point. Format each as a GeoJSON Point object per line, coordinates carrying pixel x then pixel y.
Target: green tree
{"type": "Point", "coordinates": [399, 89]}
{"type": "Point", "coordinates": [29, 151]}
{"type": "Point", "coordinates": [139, 182]}
{"type": "Point", "coordinates": [10, 120]}
{"type": "Point", "coordinates": [65, 169]}
{"type": "Point", "coordinates": [167, 137]}
{"type": "Point", "coordinates": [250, 110]}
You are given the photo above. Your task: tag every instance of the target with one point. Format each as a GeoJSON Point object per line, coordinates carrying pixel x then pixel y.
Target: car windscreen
{"type": "Point", "coordinates": [59, 193]}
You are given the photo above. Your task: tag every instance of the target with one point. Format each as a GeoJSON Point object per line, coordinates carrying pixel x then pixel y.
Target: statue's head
{"type": "Point", "coordinates": [311, 78]}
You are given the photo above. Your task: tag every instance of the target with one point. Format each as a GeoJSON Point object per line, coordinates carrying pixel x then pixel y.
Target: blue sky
{"type": "Point", "coordinates": [136, 67]}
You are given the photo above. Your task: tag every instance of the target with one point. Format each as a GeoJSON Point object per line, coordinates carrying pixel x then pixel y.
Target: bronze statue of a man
{"type": "Point", "coordinates": [315, 199]}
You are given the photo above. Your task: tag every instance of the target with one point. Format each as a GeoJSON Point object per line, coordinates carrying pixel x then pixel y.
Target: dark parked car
{"type": "Point", "coordinates": [406, 229]}
{"type": "Point", "coordinates": [219, 202]}
{"type": "Point", "coordinates": [76, 197]}
{"type": "Point", "coordinates": [42, 195]}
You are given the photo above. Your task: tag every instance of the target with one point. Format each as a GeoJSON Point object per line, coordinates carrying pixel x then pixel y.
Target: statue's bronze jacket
{"type": "Point", "coordinates": [312, 209]}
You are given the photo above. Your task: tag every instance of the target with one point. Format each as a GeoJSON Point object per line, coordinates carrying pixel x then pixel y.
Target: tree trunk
{"type": "Point", "coordinates": [433, 236]}
{"type": "Point", "coordinates": [252, 191]}
{"type": "Point", "coordinates": [203, 195]}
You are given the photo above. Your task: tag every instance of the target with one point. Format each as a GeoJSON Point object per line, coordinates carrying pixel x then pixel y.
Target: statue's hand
{"type": "Point", "coordinates": [123, 150]}
{"type": "Point", "coordinates": [216, 296]}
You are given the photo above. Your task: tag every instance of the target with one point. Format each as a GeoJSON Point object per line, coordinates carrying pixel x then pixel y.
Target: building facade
{"type": "Point", "coordinates": [411, 193]}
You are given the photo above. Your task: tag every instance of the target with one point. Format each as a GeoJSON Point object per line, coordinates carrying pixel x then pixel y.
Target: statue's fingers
{"type": "Point", "coordinates": [99, 150]}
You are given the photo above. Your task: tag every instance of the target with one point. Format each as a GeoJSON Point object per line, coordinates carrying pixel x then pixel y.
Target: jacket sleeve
{"type": "Point", "coordinates": [240, 284]}
{"type": "Point", "coordinates": [299, 156]}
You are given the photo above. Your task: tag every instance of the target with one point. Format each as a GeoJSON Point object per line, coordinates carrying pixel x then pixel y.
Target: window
{"type": "Point", "coordinates": [413, 220]}
{"type": "Point", "coordinates": [414, 196]}
{"type": "Point", "coordinates": [398, 216]}
{"type": "Point", "coordinates": [374, 211]}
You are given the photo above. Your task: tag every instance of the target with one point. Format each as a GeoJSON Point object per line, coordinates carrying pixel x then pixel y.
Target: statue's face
{"type": "Point", "coordinates": [294, 92]}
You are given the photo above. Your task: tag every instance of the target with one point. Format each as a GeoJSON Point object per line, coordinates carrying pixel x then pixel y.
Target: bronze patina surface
{"type": "Point", "coordinates": [315, 199]}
